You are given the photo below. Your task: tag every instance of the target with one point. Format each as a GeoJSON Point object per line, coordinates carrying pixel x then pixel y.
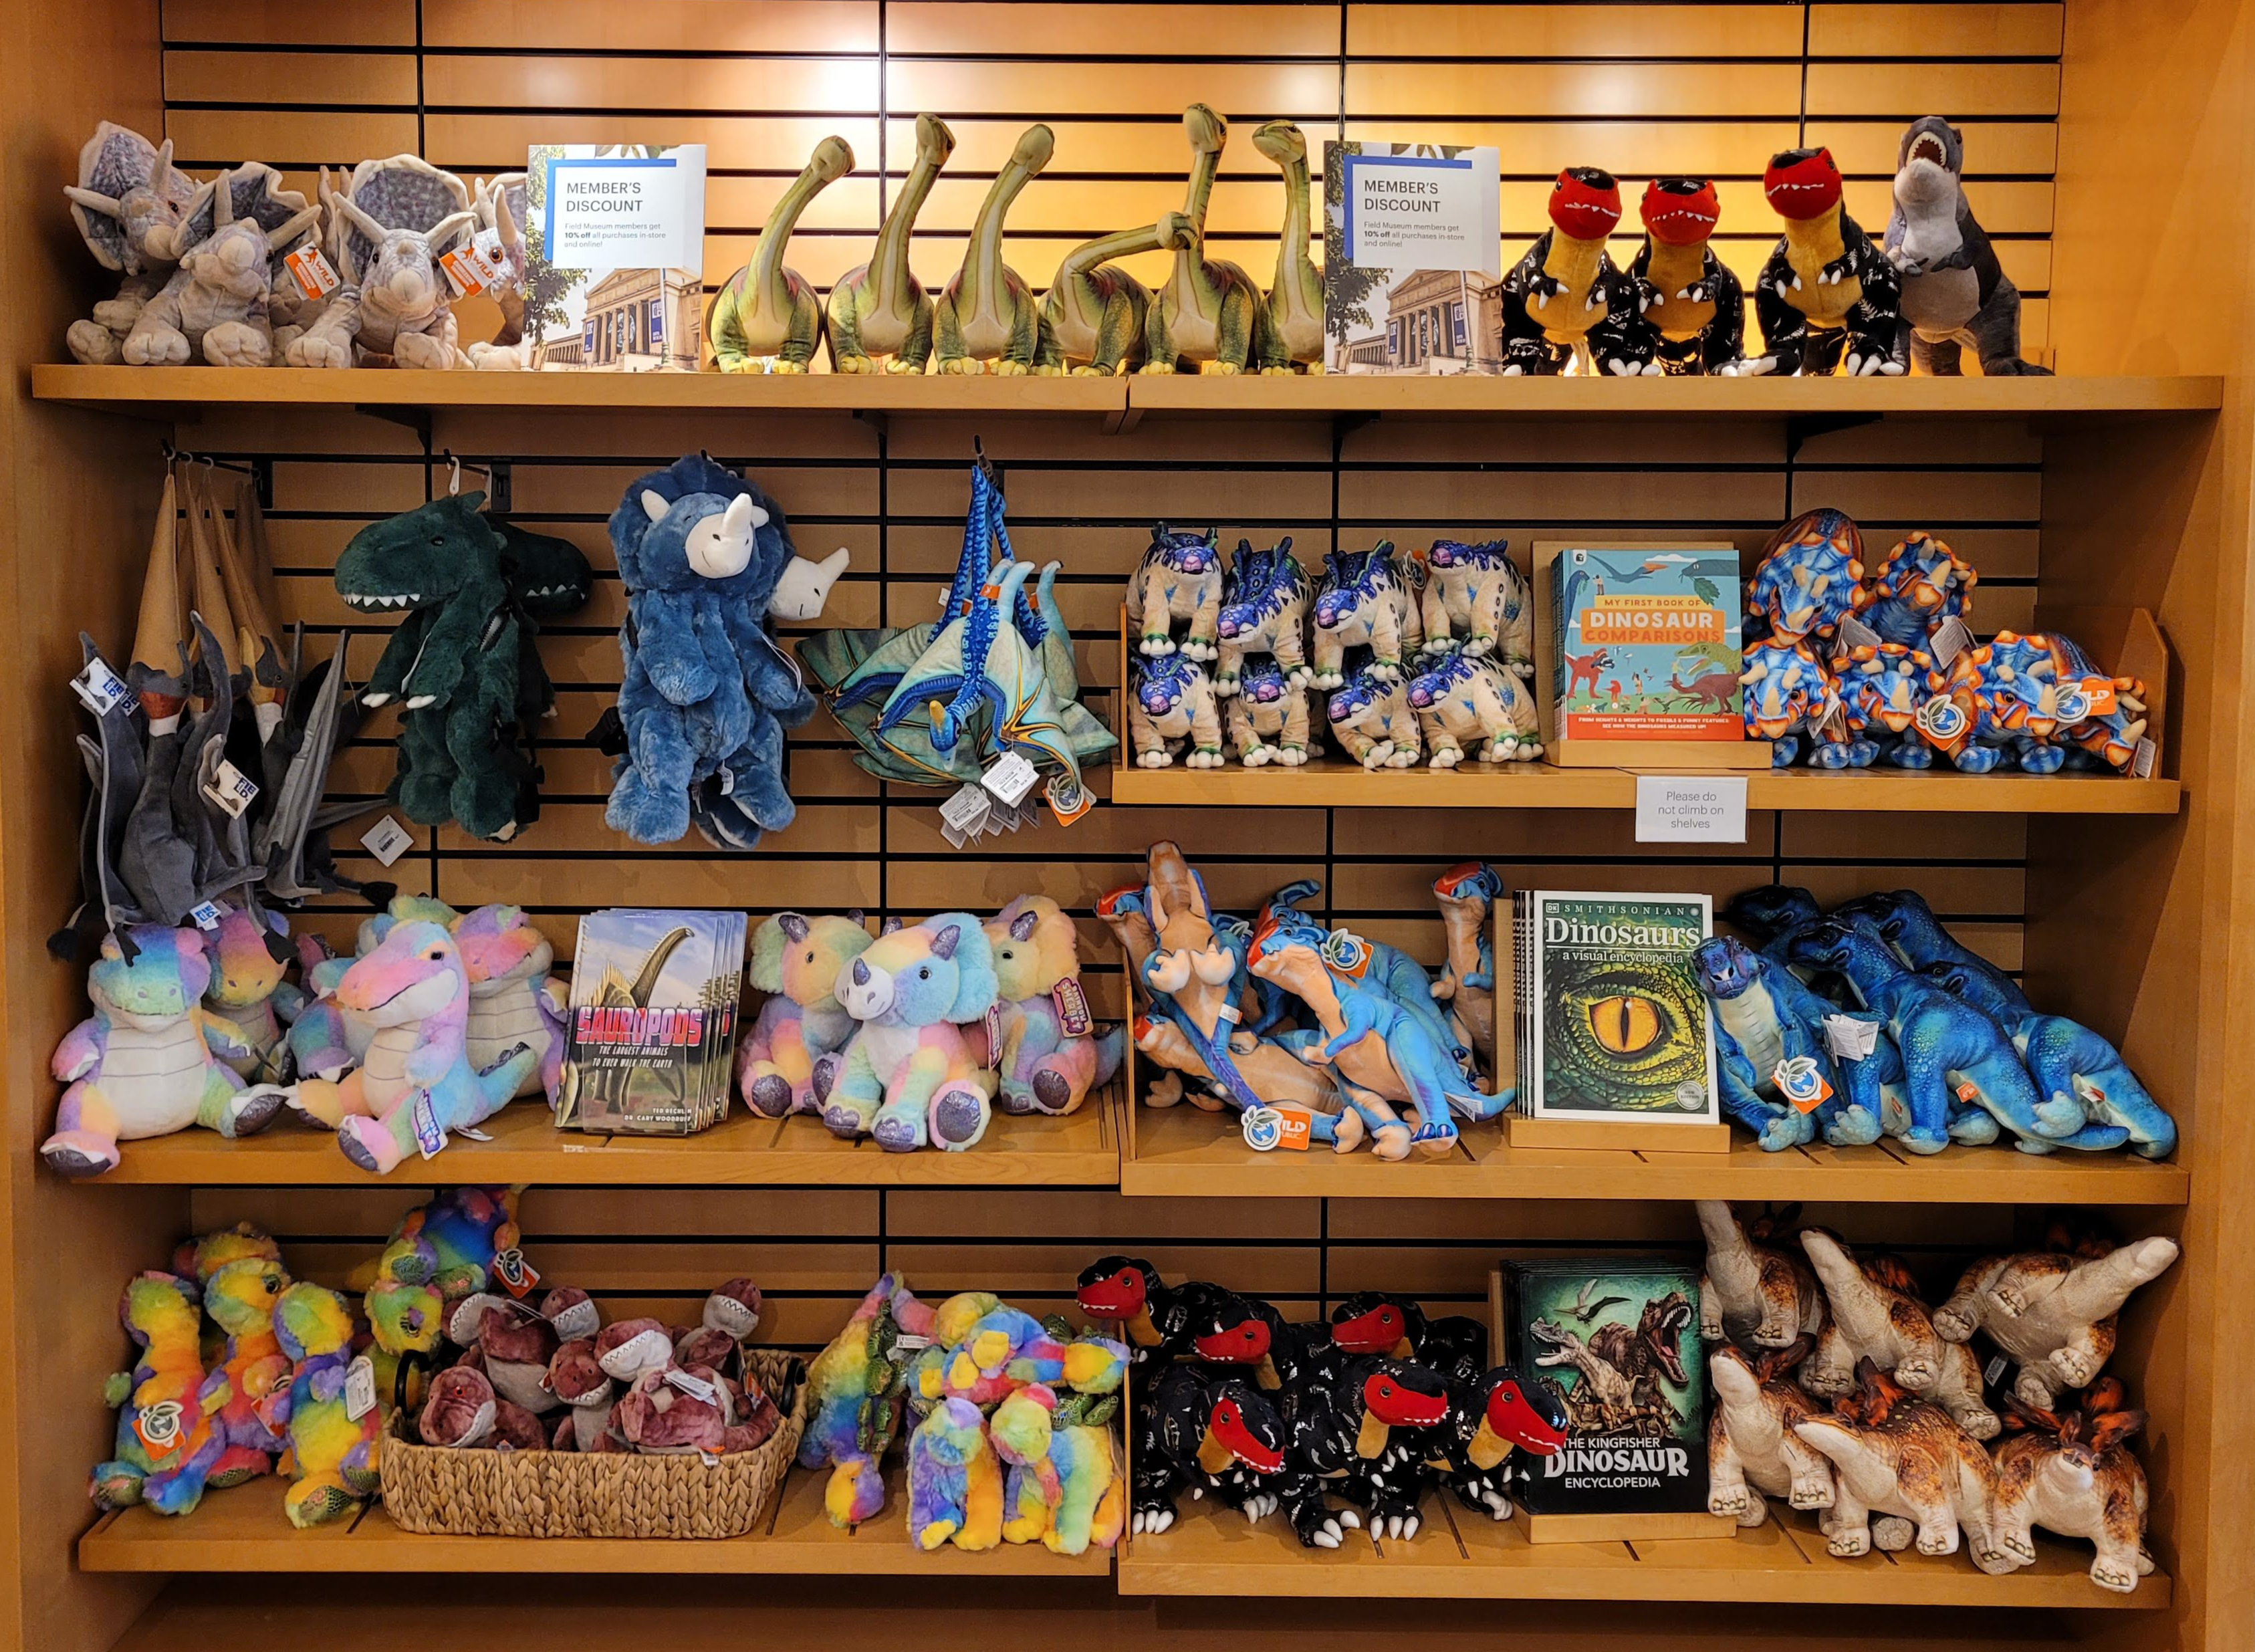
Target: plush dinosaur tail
{"type": "Point", "coordinates": [1111, 1048]}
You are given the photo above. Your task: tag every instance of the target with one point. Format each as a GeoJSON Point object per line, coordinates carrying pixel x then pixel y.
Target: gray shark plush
{"type": "Point", "coordinates": [1955, 297]}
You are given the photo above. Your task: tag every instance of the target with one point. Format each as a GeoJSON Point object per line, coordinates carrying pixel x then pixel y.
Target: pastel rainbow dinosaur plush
{"type": "Point", "coordinates": [909, 1077]}
{"type": "Point", "coordinates": [415, 979]}
{"type": "Point", "coordinates": [789, 1060]}
{"type": "Point", "coordinates": [167, 1444]}
{"type": "Point", "coordinates": [1065, 1488]}
{"type": "Point", "coordinates": [331, 1458]}
{"type": "Point", "coordinates": [1049, 1061]}
{"type": "Point", "coordinates": [955, 1481]}
{"type": "Point", "coordinates": [249, 1007]}
{"type": "Point", "coordinates": [140, 1065]}
{"type": "Point", "coordinates": [855, 1399]}
{"type": "Point", "coordinates": [515, 1003]}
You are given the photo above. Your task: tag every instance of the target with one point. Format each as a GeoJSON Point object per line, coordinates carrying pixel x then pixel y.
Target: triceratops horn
{"type": "Point", "coordinates": [791, 925]}
{"type": "Point", "coordinates": [288, 231]}
{"type": "Point", "coordinates": [943, 944]}
{"type": "Point", "coordinates": [93, 201]}
{"type": "Point", "coordinates": [455, 223]}
{"type": "Point", "coordinates": [352, 213]}
{"type": "Point", "coordinates": [1021, 927]}
{"type": "Point", "coordinates": [160, 169]}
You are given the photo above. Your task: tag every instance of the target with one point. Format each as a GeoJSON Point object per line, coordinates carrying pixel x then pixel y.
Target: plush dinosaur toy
{"type": "Point", "coordinates": [1292, 338]}
{"type": "Point", "coordinates": [1752, 1451]}
{"type": "Point", "coordinates": [1955, 296]}
{"type": "Point", "coordinates": [879, 314]}
{"type": "Point", "coordinates": [987, 320]}
{"type": "Point", "coordinates": [332, 1459]}
{"type": "Point", "coordinates": [132, 206]}
{"type": "Point", "coordinates": [1210, 314]}
{"type": "Point", "coordinates": [1050, 1057]}
{"type": "Point", "coordinates": [141, 1065]}
{"type": "Point", "coordinates": [416, 978]}
{"type": "Point", "coordinates": [765, 318]}
{"type": "Point", "coordinates": [1690, 297]}
{"type": "Point", "coordinates": [214, 307]}
{"type": "Point", "coordinates": [1826, 289]}
{"type": "Point", "coordinates": [1467, 894]}
{"type": "Point", "coordinates": [249, 1007]}
{"type": "Point", "coordinates": [515, 1003]}
{"type": "Point", "coordinates": [855, 1398]}
{"type": "Point", "coordinates": [789, 1060]}
{"type": "Point", "coordinates": [166, 1441]}
{"type": "Point", "coordinates": [1897, 1456]}
{"type": "Point", "coordinates": [2053, 1312]}
{"type": "Point", "coordinates": [909, 1076]}
{"type": "Point", "coordinates": [2075, 1475]}
{"type": "Point", "coordinates": [395, 219]}
{"type": "Point", "coordinates": [239, 1297]}
{"type": "Point", "coordinates": [707, 692]}
{"type": "Point", "coordinates": [1094, 312]}
{"type": "Point", "coordinates": [1566, 299]}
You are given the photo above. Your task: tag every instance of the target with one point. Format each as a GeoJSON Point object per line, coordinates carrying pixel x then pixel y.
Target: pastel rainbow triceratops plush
{"type": "Point", "coordinates": [909, 1077]}
{"type": "Point", "coordinates": [856, 1397]}
{"type": "Point", "coordinates": [166, 1442]}
{"type": "Point", "coordinates": [1049, 1060]}
{"type": "Point", "coordinates": [417, 1083]}
{"type": "Point", "coordinates": [332, 1459]}
{"type": "Point", "coordinates": [140, 1065]}
{"type": "Point", "coordinates": [249, 1007]}
{"type": "Point", "coordinates": [515, 1003]}
{"type": "Point", "coordinates": [790, 1058]}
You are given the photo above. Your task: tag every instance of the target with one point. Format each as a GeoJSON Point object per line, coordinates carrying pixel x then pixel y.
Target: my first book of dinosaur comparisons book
{"type": "Point", "coordinates": [1644, 645]}
{"type": "Point", "coordinates": [1611, 1023]}
{"type": "Point", "coordinates": [650, 1041]}
{"type": "Point", "coordinates": [1616, 1338]}
{"type": "Point", "coordinates": [615, 251]}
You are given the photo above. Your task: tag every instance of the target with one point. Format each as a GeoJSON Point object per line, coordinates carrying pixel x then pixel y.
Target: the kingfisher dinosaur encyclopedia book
{"type": "Point", "coordinates": [651, 1034]}
{"type": "Point", "coordinates": [1617, 1338]}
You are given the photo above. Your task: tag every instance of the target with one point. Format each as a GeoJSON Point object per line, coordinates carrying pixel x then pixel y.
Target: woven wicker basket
{"type": "Point", "coordinates": [483, 1494]}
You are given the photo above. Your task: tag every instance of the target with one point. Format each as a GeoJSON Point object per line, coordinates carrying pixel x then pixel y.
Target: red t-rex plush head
{"type": "Point", "coordinates": [1802, 183]}
{"type": "Point", "coordinates": [1680, 211]}
{"type": "Point", "coordinates": [1585, 203]}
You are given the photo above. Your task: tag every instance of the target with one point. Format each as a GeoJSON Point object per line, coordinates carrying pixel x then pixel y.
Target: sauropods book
{"type": "Point", "coordinates": [1617, 1339]}
{"type": "Point", "coordinates": [650, 1037]}
{"type": "Point", "coordinates": [1646, 643]}
{"type": "Point", "coordinates": [1611, 1021]}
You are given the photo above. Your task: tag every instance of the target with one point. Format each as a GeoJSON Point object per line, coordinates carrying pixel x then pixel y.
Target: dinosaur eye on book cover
{"type": "Point", "coordinates": [1617, 1339]}
{"type": "Point", "coordinates": [1610, 1021]}
{"type": "Point", "coordinates": [1646, 643]}
{"type": "Point", "coordinates": [650, 1037]}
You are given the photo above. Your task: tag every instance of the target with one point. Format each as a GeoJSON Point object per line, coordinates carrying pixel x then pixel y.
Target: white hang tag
{"type": "Point", "coordinates": [387, 841]}
{"type": "Point", "coordinates": [1949, 640]}
{"type": "Point", "coordinates": [360, 1388]}
{"type": "Point", "coordinates": [1855, 634]}
{"type": "Point", "coordinates": [1011, 779]}
{"type": "Point", "coordinates": [98, 689]}
{"type": "Point", "coordinates": [2142, 761]}
{"type": "Point", "coordinates": [1993, 1373]}
{"type": "Point", "coordinates": [471, 1133]}
{"type": "Point", "coordinates": [965, 813]}
{"type": "Point", "coordinates": [315, 275]}
{"type": "Point", "coordinates": [231, 789]}
{"type": "Point", "coordinates": [205, 915]}
{"type": "Point", "coordinates": [1850, 1040]}
{"type": "Point", "coordinates": [695, 1387]}
{"type": "Point", "coordinates": [909, 1342]}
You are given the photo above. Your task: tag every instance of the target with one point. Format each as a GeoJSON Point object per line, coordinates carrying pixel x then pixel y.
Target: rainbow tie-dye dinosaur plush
{"type": "Point", "coordinates": [1065, 1488]}
{"type": "Point", "coordinates": [167, 1444]}
{"type": "Point", "coordinates": [955, 1481]}
{"type": "Point", "coordinates": [854, 1392]}
{"type": "Point", "coordinates": [514, 1000]}
{"type": "Point", "coordinates": [248, 1007]}
{"type": "Point", "coordinates": [240, 1298]}
{"type": "Point", "coordinates": [332, 1456]}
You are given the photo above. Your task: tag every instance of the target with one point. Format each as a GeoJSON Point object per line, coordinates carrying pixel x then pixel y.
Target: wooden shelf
{"type": "Point", "coordinates": [244, 1529]}
{"type": "Point", "coordinates": [1457, 1555]}
{"type": "Point", "coordinates": [1128, 399]}
{"type": "Point", "coordinates": [1340, 784]}
{"type": "Point", "coordinates": [1079, 1151]}
{"type": "Point", "coordinates": [1183, 1152]}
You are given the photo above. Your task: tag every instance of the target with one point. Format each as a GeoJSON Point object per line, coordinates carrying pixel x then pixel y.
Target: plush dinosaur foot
{"type": "Point", "coordinates": [79, 1154]}
{"type": "Point", "coordinates": [1008, 369]}
{"type": "Point", "coordinates": [1919, 1141]}
{"type": "Point", "coordinates": [769, 1095]}
{"type": "Point", "coordinates": [1257, 756]}
{"type": "Point", "coordinates": [1446, 757]}
{"type": "Point", "coordinates": [1812, 1493]}
{"type": "Point", "coordinates": [1157, 643]}
{"type": "Point", "coordinates": [1434, 1141]}
{"type": "Point", "coordinates": [156, 347]}
{"type": "Point", "coordinates": [1736, 1503]}
{"type": "Point", "coordinates": [237, 344]}
{"type": "Point", "coordinates": [1854, 1127]}
{"type": "Point", "coordinates": [92, 344]}
{"type": "Point", "coordinates": [845, 1121]}
{"type": "Point", "coordinates": [1204, 757]}
{"type": "Point", "coordinates": [256, 1109]}
{"type": "Point", "coordinates": [1149, 1523]}
{"type": "Point", "coordinates": [1291, 756]}
{"type": "Point", "coordinates": [959, 1116]}
{"type": "Point", "coordinates": [368, 1145]}
{"type": "Point", "coordinates": [1978, 1421]}
{"type": "Point", "coordinates": [898, 1129]}
{"type": "Point", "coordinates": [1390, 1142]}
{"type": "Point", "coordinates": [1053, 1092]}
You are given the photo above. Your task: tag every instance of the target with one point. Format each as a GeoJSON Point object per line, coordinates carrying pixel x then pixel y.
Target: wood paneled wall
{"type": "Point", "coordinates": [1638, 88]}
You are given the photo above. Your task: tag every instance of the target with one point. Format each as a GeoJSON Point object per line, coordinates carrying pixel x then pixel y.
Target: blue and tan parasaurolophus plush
{"type": "Point", "coordinates": [705, 558]}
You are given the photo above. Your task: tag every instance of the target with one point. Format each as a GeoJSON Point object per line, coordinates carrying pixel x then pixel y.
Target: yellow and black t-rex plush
{"type": "Point", "coordinates": [1690, 296]}
{"type": "Point", "coordinates": [1568, 296]}
{"type": "Point", "coordinates": [1827, 288]}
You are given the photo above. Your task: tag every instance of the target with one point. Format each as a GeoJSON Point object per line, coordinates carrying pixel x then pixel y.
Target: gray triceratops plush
{"type": "Point", "coordinates": [394, 220]}
{"type": "Point", "coordinates": [1955, 295]}
{"type": "Point", "coordinates": [130, 204]}
{"type": "Point", "coordinates": [214, 305]}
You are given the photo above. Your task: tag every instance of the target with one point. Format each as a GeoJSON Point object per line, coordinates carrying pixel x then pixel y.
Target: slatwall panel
{"type": "Point", "coordinates": [1637, 87]}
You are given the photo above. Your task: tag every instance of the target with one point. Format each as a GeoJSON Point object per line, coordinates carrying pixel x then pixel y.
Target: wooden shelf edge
{"type": "Point", "coordinates": [1323, 396]}
{"type": "Point", "coordinates": [1341, 785]}
{"type": "Point", "coordinates": [1081, 1151]}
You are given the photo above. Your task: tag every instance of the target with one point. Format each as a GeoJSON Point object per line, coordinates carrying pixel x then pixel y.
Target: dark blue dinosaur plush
{"type": "Point", "coordinates": [1771, 1043]}
{"type": "Point", "coordinates": [1907, 923]}
{"type": "Point", "coordinates": [1947, 1048]}
{"type": "Point", "coordinates": [2067, 1060]}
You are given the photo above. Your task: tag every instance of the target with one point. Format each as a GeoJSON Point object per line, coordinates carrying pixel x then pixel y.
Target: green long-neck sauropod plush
{"type": "Point", "coordinates": [987, 312]}
{"type": "Point", "coordinates": [1093, 315]}
{"type": "Point", "coordinates": [1209, 311]}
{"type": "Point", "coordinates": [882, 310]}
{"type": "Point", "coordinates": [765, 318]}
{"type": "Point", "coordinates": [1293, 341]}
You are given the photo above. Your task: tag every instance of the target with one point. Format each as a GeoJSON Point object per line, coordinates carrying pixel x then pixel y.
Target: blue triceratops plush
{"type": "Point", "coordinates": [706, 557]}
